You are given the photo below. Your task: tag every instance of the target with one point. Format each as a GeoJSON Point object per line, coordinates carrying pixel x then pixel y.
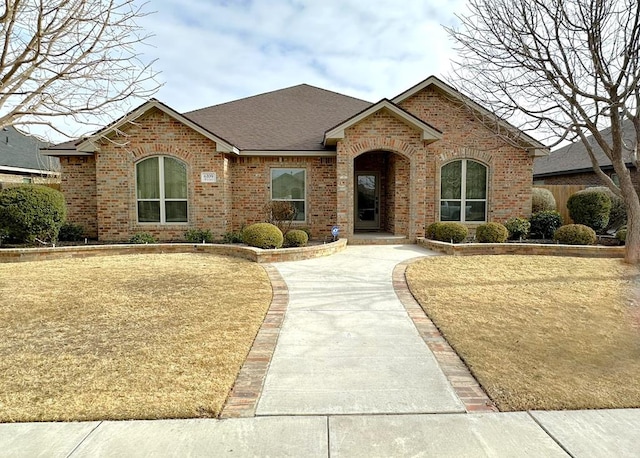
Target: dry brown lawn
{"type": "Point", "coordinates": [539, 332]}
{"type": "Point", "coordinates": [125, 337]}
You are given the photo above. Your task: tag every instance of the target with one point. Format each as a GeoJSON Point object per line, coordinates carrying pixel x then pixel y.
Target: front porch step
{"type": "Point", "coordinates": [377, 238]}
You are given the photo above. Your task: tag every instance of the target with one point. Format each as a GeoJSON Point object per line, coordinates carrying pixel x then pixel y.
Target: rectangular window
{"type": "Point", "coordinates": [290, 185]}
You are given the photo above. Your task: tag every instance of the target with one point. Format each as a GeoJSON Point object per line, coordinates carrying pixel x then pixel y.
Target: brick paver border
{"type": "Point", "coordinates": [465, 385]}
{"type": "Point", "coordinates": [243, 399]}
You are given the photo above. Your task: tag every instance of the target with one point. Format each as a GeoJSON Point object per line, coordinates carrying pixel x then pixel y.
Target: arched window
{"type": "Point", "coordinates": [463, 191]}
{"type": "Point", "coordinates": [161, 190]}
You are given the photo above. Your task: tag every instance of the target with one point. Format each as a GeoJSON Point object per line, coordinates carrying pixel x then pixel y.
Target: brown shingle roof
{"type": "Point", "coordinates": [291, 119]}
{"type": "Point", "coordinates": [574, 158]}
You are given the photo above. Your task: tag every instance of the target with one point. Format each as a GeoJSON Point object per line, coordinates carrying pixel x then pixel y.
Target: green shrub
{"type": "Point", "coordinates": [518, 228]}
{"type": "Point", "coordinates": [307, 231]}
{"type": "Point", "coordinates": [622, 234]}
{"type": "Point", "coordinates": [575, 234]}
{"type": "Point", "coordinates": [545, 223]}
{"type": "Point", "coordinates": [618, 213]}
{"type": "Point", "coordinates": [198, 236]}
{"type": "Point", "coordinates": [233, 237]}
{"type": "Point", "coordinates": [431, 230]}
{"type": "Point", "coordinates": [31, 212]}
{"type": "Point", "coordinates": [542, 200]}
{"type": "Point", "coordinates": [142, 238]}
{"type": "Point", "coordinates": [263, 235]}
{"type": "Point", "coordinates": [491, 233]}
{"type": "Point", "coordinates": [295, 237]}
{"type": "Point", "coordinates": [590, 207]}
{"type": "Point", "coordinates": [70, 232]}
{"type": "Point", "coordinates": [451, 232]}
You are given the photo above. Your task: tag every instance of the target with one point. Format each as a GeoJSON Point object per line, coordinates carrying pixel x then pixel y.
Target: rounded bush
{"type": "Point", "coordinates": [491, 233]}
{"type": "Point", "coordinates": [618, 213]}
{"type": "Point", "coordinates": [263, 235]}
{"type": "Point", "coordinates": [295, 237]}
{"type": "Point", "coordinates": [545, 223]}
{"type": "Point", "coordinates": [542, 200]}
{"type": "Point", "coordinates": [451, 232]}
{"type": "Point", "coordinates": [590, 207]}
{"type": "Point", "coordinates": [142, 238]}
{"type": "Point", "coordinates": [575, 234]}
{"type": "Point", "coordinates": [518, 228]}
{"type": "Point", "coordinates": [431, 230]}
{"type": "Point", "coordinates": [31, 212]}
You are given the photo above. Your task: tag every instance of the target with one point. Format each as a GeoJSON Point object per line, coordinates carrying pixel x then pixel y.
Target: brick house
{"type": "Point", "coordinates": [394, 166]}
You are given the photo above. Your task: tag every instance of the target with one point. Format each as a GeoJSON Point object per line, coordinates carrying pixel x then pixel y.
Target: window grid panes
{"type": "Point", "coordinates": [290, 185]}
{"type": "Point", "coordinates": [161, 190]}
{"type": "Point", "coordinates": [463, 191]}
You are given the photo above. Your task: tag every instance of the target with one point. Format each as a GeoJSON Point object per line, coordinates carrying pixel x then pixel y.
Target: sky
{"type": "Point", "coordinates": [214, 51]}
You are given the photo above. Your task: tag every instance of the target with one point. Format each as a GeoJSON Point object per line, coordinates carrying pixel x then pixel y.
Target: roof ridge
{"type": "Point", "coordinates": [186, 113]}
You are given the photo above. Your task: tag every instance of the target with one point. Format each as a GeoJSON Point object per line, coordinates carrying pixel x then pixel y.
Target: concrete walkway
{"type": "Point", "coordinates": [347, 354]}
{"type": "Point", "coordinates": [348, 346]}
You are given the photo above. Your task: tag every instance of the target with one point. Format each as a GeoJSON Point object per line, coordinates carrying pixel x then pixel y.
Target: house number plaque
{"type": "Point", "coordinates": [208, 177]}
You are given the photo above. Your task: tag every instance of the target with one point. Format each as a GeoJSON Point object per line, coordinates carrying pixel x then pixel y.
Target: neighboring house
{"type": "Point", "coordinates": [571, 165]}
{"type": "Point", "coordinates": [21, 161]}
{"type": "Point", "coordinates": [393, 166]}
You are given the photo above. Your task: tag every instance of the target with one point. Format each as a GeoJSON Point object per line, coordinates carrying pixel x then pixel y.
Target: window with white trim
{"type": "Point", "coordinates": [290, 185]}
{"type": "Point", "coordinates": [463, 191]}
{"type": "Point", "coordinates": [161, 190]}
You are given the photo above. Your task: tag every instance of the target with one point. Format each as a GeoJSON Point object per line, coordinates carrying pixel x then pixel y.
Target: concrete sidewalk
{"type": "Point", "coordinates": [589, 433]}
{"type": "Point", "coordinates": [350, 377]}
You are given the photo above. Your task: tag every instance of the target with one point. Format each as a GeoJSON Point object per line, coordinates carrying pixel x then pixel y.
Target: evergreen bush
{"type": "Point", "coordinates": [575, 234]}
{"type": "Point", "coordinates": [263, 235]}
{"type": "Point", "coordinates": [31, 212]}
{"type": "Point", "coordinates": [491, 233]}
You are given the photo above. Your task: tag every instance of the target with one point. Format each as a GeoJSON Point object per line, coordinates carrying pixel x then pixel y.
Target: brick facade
{"type": "Point", "coordinates": [101, 192]}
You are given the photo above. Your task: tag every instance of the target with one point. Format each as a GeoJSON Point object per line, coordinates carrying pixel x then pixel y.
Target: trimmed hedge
{"type": "Point", "coordinates": [545, 223]}
{"type": "Point", "coordinates": [575, 234]}
{"type": "Point", "coordinates": [450, 232]}
{"type": "Point", "coordinates": [618, 213]}
{"type": "Point", "coordinates": [622, 235]}
{"type": "Point", "coordinates": [295, 238]}
{"type": "Point", "coordinates": [263, 235]}
{"type": "Point", "coordinates": [31, 212]}
{"type": "Point", "coordinates": [542, 200]}
{"type": "Point", "coordinates": [590, 207]}
{"type": "Point", "coordinates": [491, 233]}
{"type": "Point", "coordinates": [430, 231]}
{"type": "Point", "coordinates": [518, 228]}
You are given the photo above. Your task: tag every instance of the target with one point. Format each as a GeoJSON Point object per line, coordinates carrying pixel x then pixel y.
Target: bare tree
{"type": "Point", "coordinates": [565, 68]}
{"type": "Point", "coordinates": [70, 62]}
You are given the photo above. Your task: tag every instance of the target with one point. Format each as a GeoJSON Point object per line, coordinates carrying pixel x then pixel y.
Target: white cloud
{"type": "Point", "coordinates": [217, 51]}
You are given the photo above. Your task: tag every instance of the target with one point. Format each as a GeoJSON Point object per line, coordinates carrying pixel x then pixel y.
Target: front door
{"type": "Point", "coordinates": [367, 201]}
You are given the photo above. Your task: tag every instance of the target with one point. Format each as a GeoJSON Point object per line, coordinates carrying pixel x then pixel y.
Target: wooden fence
{"type": "Point", "coordinates": [562, 192]}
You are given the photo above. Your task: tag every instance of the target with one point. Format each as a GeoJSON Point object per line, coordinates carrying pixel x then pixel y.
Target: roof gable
{"type": "Point", "coordinates": [534, 147]}
{"type": "Point", "coordinates": [429, 133]}
{"type": "Point", "coordinates": [222, 145]}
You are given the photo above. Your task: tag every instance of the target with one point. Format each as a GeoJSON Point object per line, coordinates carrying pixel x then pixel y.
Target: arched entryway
{"type": "Point", "coordinates": [382, 197]}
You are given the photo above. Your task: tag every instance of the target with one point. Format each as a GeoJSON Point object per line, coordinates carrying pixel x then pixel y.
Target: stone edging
{"type": "Point", "coordinates": [471, 394]}
{"type": "Point", "coordinates": [470, 249]}
{"type": "Point", "coordinates": [243, 399]}
{"type": "Point", "coordinates": [238, 251]}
